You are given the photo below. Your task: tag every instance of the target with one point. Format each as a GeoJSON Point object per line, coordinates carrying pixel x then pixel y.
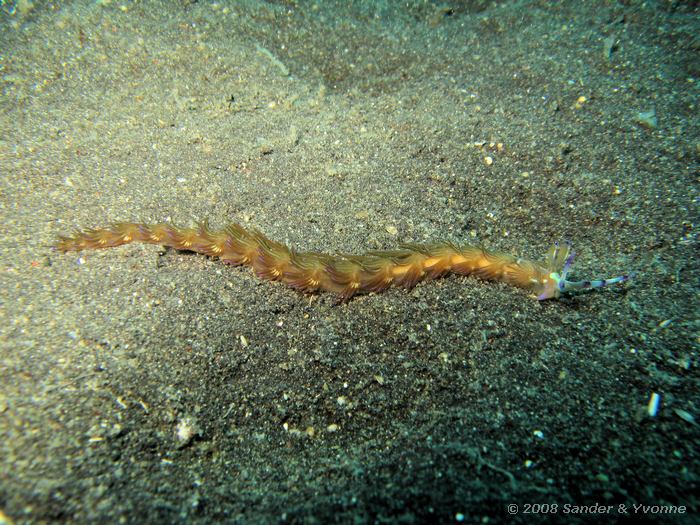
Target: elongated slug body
{"type": "Point", "coordinates": [347, 275]}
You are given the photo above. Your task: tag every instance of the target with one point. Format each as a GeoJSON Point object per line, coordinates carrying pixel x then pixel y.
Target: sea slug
{"type": "Point", "coordinates": [347, 275]}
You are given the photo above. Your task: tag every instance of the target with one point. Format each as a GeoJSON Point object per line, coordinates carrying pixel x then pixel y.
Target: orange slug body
{"type": "Point", "coordinates": [344, 275]}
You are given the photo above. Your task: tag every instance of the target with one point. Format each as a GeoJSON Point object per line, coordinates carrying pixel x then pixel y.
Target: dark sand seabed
{"type": "Point", "coordinates": [143, 385]}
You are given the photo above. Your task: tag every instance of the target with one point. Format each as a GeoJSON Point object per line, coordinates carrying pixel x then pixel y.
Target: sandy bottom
{"type": "Point", "coordinates": [147, 385]}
